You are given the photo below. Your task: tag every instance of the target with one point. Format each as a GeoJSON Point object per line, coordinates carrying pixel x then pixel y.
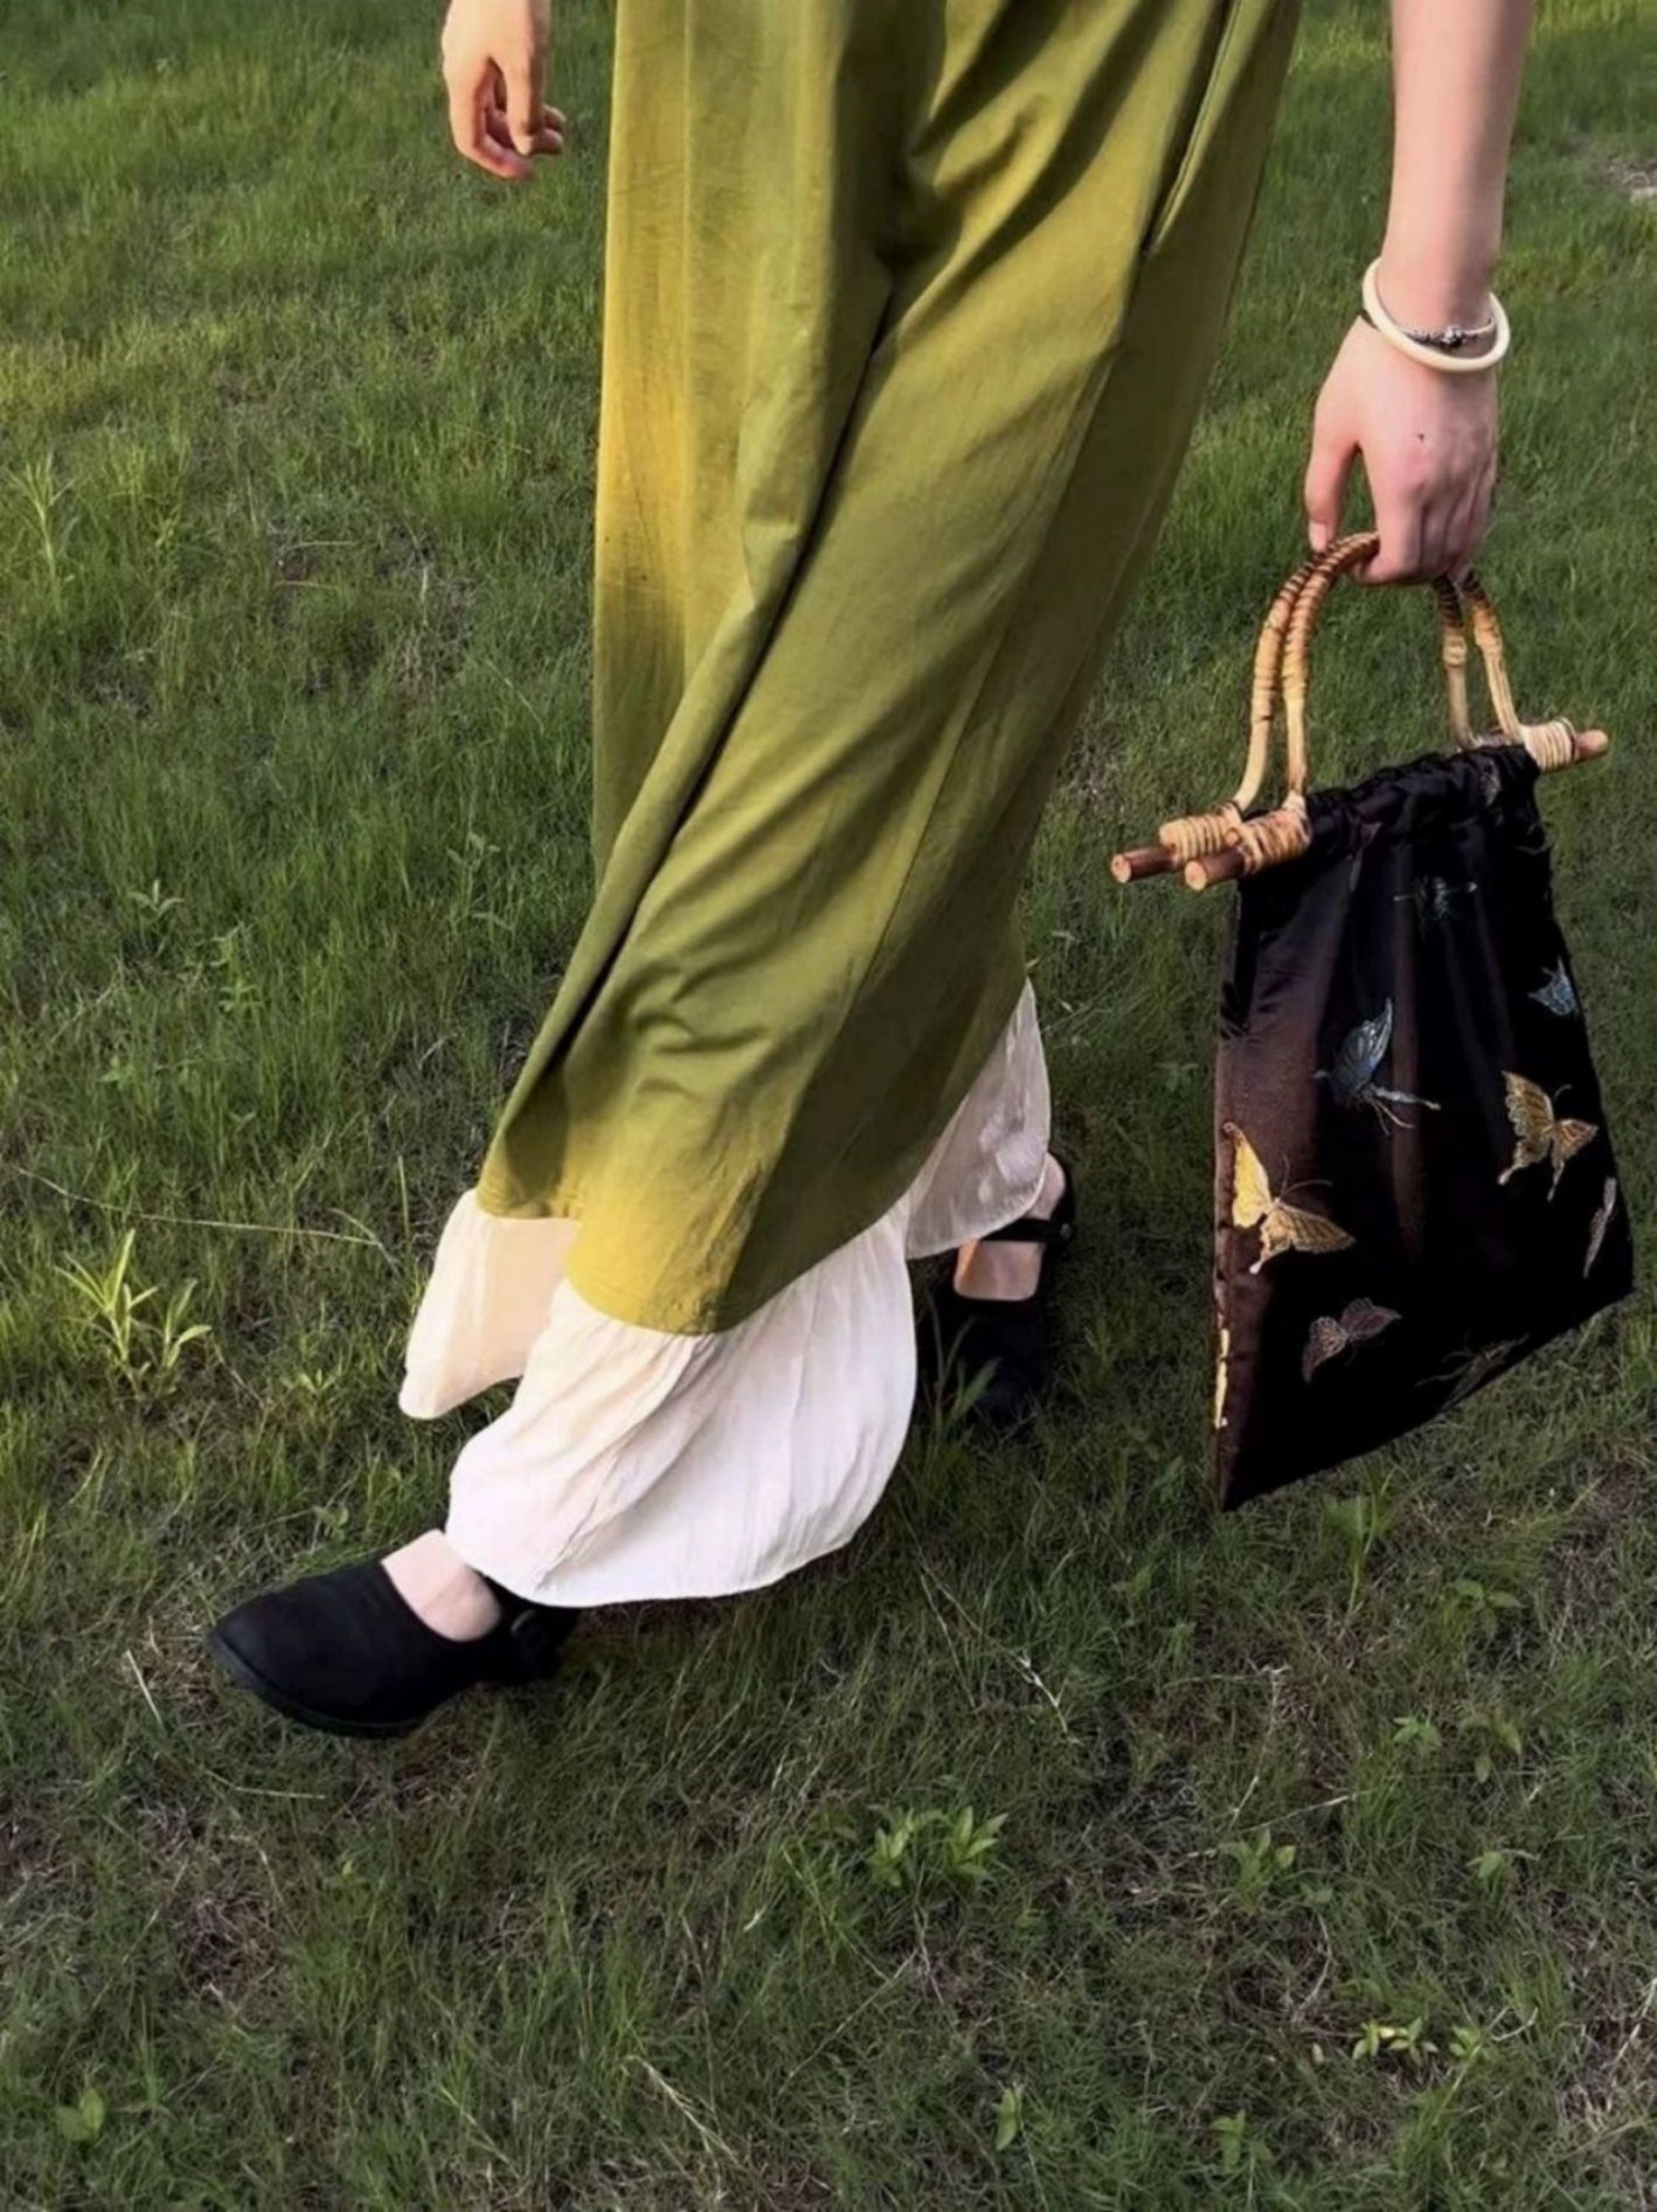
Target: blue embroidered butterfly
{"type": "Point", "coordinates": [1352, 1078]}
{"type": "Point", "coordinates": [1434, 899]}
{"type": "Point", "coordinates": [1558, 993]}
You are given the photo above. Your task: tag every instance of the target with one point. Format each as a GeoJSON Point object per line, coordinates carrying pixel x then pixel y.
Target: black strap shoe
{"type": "Point", "coordinates": [346, 1652]}
{"type": "Point", "coordinates": [1003, 1346]}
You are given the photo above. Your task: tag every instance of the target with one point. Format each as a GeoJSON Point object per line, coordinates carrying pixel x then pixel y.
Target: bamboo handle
{"type": "Point", "coordinates": [1263, 697]}
{"type": "Point", "coordinates": [1270, 839]}
{"type": "Point", "coordinates": [1144, 860]}
{"type": "Point", "coordinates": [1346, 553]}
{"type": "Point", "coordinates": [1189, 838]}
{"type": "Point", "coordinates": [1229, 842]}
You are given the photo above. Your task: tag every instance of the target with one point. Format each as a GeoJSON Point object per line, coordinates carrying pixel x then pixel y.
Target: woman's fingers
{"type": "Point", "coordinates": [494, 57]}
{"type": "Point", "coordinates": [522, 102]}
{"type": "Point", "coordinates": [1428, 442]}
{"type": "Point", "coordinates": [549, 139]}
{"type": "Point", "coordinates": [480, 124]}
{"type": "Point", "coordinates": [1479, 521]}
{"type": "Point", "coordinates": [470, 107]}
{"type": "Point", "coordinates": [1406, 489]}
{"type": "Point", "coordinates": [1435, 552]}
{"type": "Point", "coordinates": [1462, 534]}
{"type": "Point", "coordinates": [1426, 531]}
{"type": "Point", "coordinates": [1400, 522]}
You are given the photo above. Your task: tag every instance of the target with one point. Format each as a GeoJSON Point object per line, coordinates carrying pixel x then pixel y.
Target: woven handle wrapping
{"type": "Point", "coordinates": [1231, 842]}
{"type": "Point", "coordinates": [1344, 554]}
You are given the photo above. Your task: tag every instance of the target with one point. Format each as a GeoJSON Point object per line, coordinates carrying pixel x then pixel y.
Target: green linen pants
{"type": "Point", "coordinates": [909, 309]}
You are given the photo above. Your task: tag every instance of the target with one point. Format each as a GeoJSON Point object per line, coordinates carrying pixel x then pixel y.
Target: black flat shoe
{"type": "Point", "coordinates": [345, 1651]}
{"type": "Point", "coordinates": [1006, 1341]}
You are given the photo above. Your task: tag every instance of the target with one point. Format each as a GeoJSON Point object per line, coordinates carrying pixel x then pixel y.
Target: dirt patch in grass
{"type": "Point", "coordinates": [220, 1920]}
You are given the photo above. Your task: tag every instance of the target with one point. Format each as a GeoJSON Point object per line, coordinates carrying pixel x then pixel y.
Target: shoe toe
{"type": "Point", "coordinates": [1008, 1399]}
{"type": "Point", "coordinates": [342, 1651]}
{"type": "Point", "coordinates": [993, 1354]}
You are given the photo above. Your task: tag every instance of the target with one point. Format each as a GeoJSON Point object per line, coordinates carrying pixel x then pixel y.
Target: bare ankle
{"type": "Point", "coordinates": [1009, 1269]}
{"type": "Point", "coordinates": [436, 1583]}
{"type": "Point", "coordinates": [1051, 1190]}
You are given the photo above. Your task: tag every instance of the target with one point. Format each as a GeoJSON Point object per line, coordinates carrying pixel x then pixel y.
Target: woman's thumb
{"type": "Point", "coordinates": [1324, 490]}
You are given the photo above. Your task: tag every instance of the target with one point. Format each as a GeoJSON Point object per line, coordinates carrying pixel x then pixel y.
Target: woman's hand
{"type": "Point", "coordinates": [495, 55]}
{"type": "Point", "coordinates": [1428, 437]}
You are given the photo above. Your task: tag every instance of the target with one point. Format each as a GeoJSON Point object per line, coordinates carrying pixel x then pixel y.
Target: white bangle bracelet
{"type": "Point", "coordinates": [1434, 358]}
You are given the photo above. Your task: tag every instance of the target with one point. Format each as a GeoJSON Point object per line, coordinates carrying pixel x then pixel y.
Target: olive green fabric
{"type": "Point", "coordinates": [908, 312]}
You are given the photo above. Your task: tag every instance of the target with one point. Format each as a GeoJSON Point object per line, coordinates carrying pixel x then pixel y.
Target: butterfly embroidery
{"type": "Point", "coordinates": [1283, 1228]}
{"type": "Point", "coordinates": [1558, 993]}
{"type": "Point", "coordinates": [1434, 899]}
{"type": "Point", "coordinates": [1540, 1133]}
{"type": "Point", "coordinates": [1352, 1078]}
{"type": "Point", "coordinates": [1601, 1222]}
{"type": "Point", "coordinates": [1332, 1334]}
{"type": "Point", "coordinates": [1478, 1367]}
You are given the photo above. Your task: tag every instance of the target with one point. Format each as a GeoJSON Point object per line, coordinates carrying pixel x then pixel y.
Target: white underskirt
{"type": "Point", "coordinates": [640, 1463]}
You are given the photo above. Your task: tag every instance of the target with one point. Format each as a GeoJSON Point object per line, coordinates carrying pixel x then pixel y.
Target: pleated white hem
{"type": "Point", "coordinates": [640, 1463]}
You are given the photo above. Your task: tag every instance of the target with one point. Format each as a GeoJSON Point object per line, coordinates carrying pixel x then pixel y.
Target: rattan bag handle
{"type": "Point", "coordinates": [1208, 848]}
{"type": "Point", "coordinates": [1290, 660]}
{"type": "Point", "coordinates": [1189, 837]}
{"type": "Point", "coordinates": [1344, 555]}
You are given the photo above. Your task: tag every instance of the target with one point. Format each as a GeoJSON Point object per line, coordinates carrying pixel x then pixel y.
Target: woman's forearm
{"type": "Point", "coordinates": [1456, 71]}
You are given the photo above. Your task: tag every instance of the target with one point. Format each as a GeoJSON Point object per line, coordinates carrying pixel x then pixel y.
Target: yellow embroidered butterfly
{"type": "Point", "coordinates": [1540, 1133]}
{"type": "Point", "coordinates": [1283, 1228]}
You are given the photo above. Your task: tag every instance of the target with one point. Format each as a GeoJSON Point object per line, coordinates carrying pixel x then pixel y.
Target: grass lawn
{"type": "Point", "coordinates": [1326, 1872]}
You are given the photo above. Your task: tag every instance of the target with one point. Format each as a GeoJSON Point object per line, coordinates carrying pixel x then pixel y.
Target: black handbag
{"type": "Point", "coordinates": [1414, 1183]}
